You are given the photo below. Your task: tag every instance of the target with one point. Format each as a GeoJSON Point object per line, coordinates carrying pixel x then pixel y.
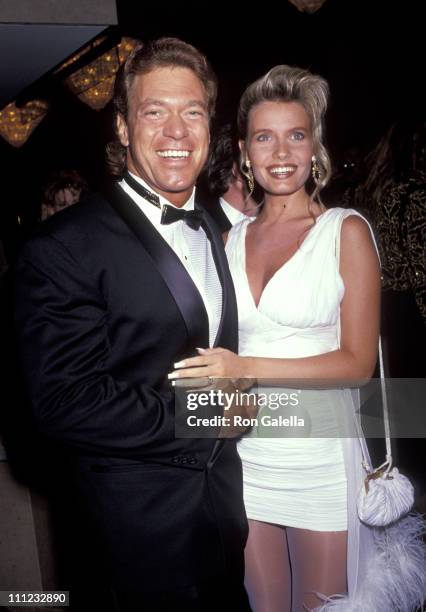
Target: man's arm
{"type": "Point", "coordinates": [62, 318]}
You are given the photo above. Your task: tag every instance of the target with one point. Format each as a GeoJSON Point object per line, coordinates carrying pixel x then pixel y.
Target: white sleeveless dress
{"type": "Point", "coordinates": [297, 482]}
{"type": "Point", "coordinates": [312, 482]}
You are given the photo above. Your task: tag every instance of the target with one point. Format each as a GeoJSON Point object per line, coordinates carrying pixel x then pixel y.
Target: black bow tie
{"type": "Point", "coordinates": [193, 218]}
{"type": "Point", "coordinates": [169, 214]}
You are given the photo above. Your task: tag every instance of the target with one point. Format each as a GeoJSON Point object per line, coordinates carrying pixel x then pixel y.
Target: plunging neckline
{"type": "Point", "coordinates": [284, 265]}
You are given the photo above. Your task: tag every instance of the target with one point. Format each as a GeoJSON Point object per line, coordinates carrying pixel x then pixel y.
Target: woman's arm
{"type": "Point", "coordinates": [360, 308]}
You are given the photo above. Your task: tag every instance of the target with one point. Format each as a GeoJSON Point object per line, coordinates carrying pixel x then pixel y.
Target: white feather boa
{"type": "Point", "coordinates": [396, 581]}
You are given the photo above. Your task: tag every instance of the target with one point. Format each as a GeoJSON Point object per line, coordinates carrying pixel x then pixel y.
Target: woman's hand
{"type": "Point", "coordinates": [214, 363]}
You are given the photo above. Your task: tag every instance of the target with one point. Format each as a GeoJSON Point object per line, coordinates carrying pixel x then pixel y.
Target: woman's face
{"type": "Point", "coordinates": [279, 146]}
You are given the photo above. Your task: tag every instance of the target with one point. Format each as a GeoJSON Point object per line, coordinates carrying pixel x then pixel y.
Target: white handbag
{"type": "Point", "coordinates": [386, 495]}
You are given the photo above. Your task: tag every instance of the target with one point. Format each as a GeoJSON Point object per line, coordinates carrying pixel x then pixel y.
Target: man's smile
{"type": "Point", "coordinates": [174, 153]}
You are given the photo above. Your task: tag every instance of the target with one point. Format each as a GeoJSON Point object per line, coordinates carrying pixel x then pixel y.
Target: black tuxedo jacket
{"type": "Point", "coordinates": [104, 309]}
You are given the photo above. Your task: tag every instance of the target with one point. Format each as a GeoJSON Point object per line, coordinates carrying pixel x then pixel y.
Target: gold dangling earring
{"type": "Point", "coordinates": [316, 171]}
{"type": "Point", "coordinates": [249, 176]}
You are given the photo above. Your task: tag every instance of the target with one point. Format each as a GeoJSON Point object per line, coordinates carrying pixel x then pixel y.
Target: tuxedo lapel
{"type": "Point", "coordinates": [227, 335]}
{"type": "Point", "coordinates": [173, 272]}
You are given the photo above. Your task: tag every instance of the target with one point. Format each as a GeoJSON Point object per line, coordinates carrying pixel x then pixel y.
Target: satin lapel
{"type": "Point", "coordinates": [177, 279]}
{"type": "Point", "coordinates": [227, 335]}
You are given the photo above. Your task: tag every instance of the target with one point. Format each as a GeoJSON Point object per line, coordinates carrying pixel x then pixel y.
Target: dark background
{"type": "Point", "coordinates": [369, 50]}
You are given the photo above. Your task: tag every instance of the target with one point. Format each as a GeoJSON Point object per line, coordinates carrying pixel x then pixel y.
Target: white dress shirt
{"type": "Point", "coordinates": [234, 215]}
{"type": "Point", "coordinates": [193, 249]}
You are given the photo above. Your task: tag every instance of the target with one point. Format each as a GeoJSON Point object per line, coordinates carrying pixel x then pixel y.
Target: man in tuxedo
{"type": "Point", "coordinates": [110, 294]}
{"type": "Point", "coordinates": [224, 191]}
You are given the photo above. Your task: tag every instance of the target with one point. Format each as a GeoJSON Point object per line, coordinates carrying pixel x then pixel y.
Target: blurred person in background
{"type": "Point", "coordinates": [224, 191]}
{"type": "Point", "coordinates": [63, 188]}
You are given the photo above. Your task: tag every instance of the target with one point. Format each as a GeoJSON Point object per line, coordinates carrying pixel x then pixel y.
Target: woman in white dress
{"type": "Point", "coordinates": [308, 288]}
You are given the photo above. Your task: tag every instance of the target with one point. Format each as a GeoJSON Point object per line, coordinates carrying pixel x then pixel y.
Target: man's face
{"type": "Point", "coordinates": [167, 131]}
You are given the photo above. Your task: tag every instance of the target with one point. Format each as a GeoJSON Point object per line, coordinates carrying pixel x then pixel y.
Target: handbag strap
{"type": "Point", "coordinates": [385, 406]}
{"type": "Point", "coordinates": [386, 423]}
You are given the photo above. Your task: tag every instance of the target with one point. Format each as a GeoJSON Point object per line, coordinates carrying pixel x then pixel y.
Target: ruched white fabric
{"type": "Point", "coordinates": [298, 481]}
